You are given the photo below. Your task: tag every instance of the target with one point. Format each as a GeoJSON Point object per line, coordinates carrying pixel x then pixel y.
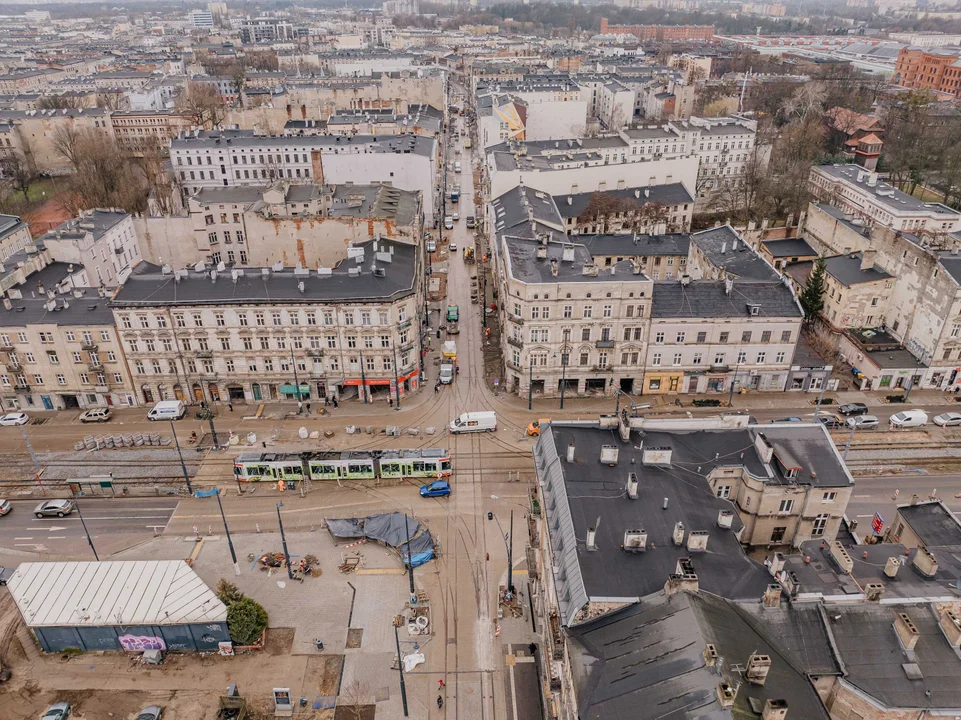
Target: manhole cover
{"type": "Point", "coordinates": [354, 637]}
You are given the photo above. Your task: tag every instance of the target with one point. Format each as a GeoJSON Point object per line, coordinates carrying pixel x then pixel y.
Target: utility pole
{"type": "Point", "coordinates": [230, 543]}
{"type": "Point", "coordinates": [293, 365]}
{"type": "Point", "coordinates": [850, 440]}
{"type": "Point", "coordinates": [400, 669]}
{"type": "Point", "coordinates": [817, 408]}
{"type": "Point", "coordinates": [87, 532]}
{"type": "Point", "coordinates": [510, 557]}
{"type": "Point", "coordinates": [283, 540]}
{"type": "Point", "coordinates": [183, 465]}
{"type": "Point", "coordinates": [210, 416]}
{"type": "Point", "coordinates": [564, 358]}
{"type": "Point", "coordinates": [737, 365]}
{"type": "Point", "coordinates": [363, 378]}
{"type": "Point", "coordinates": [33, 456]}
{"type": "Point", "coordinates": [393, 352]}
{"type": "Point", "coordinates": [410, 560]}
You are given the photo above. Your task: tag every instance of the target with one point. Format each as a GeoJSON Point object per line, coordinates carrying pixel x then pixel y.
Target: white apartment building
{"type": "Point", "coordinates": [14, 236]}
{"type": "Point", "coordinates": [201, 19]}
{"type": "Point", "coordinates": [259, 334]}
{"type": "Point", "coordinates": [875, 202]}
{"type": "Point", "coordinates": [725, 147]}
{"type": "Point", "coordinates": [555, 106]}
{"type": "Point", "coordinates": [102, 241]}
{"type": "Point", "coordinates": [225, 158]}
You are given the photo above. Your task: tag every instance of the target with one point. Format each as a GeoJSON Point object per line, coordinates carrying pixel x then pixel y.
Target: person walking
{"type": "Point", "coordinates": [300, 407]}
{"type": "Point", "coordinates": [230, 406]}
{"type": "Point", "coordinates": [335, 402]}
{"type": "Point", "coordinates": [308, 407]}
{"type": "Point", "coordinates": [326, 400]}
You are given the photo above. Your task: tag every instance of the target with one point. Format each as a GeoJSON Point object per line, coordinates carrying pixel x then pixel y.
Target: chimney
{"type": "Point", "coordinates": [725, 519]}
{"type": "Point", "coordinates": [570, 453]}
{"type": "Point", "coordinates": [697, 541]}
{"type": "Point", "coordinates": [951, 627]}
{"type": "Point", "coordinates": [647, 192]}
{"type": "Point", "coordinates": [872, 179]}
{"type": "Point", "coordinates": [867, 259]}
{"type": "Point", "coordinates": [907, 632]}
{"type": "Point", "coordinates": [728, 285]}
{"type": "Point", "coordinates": [592, 538]}
{"type": "Point", "coordinates": [758, 666]}
{"type": "Point", "coordinates": [774, 710]}
{"type": "Point", "coordinates": [925, 563]}
{"type": "Point", "coordinates": [873, 592]}
{"type": "Point", "coordinates": [632, 485]}
{"type": "Point", "coordinates": [726, 695]}
{"type": "Point", "coordinates": [677, 537]}
{"type": "Point", "coordinates": [841, 557]}
{"type": "Point", "coordinates": [567, 254]}
{"type": "Point", "coordinates": [710, 655]}
{"type": "Point", "coordinates": [608, 455]}
{"type": "Point", "coordinates": [635, 540]}
{"type": "Point", "coordinates": [892, 566]}
{"type": "Point", "coordinates": [637, 192]}
{"type": "Point", "coordinates": [772, 597]}
{"type": "Point", "coordinates": [723, 247]}
{"type": "Point", "coordinates": [570, 199]}
{"type": "Point", "coordinates": [679, 583]}
{"type": "Point", "coordinates": [777, 564]}
{"type": "Point", "coordinates": [7, 305]}
{"type": "Point", "coordinates": [764, 449]}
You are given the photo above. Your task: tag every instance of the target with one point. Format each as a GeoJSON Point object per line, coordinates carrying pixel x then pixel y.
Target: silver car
{"type": "Point", "coordinates": [154, 712]}
{"type": "Point", "coordinates": [49, 508]}
{"type": "Point", "coordinates": [60, 711]}
{"type": "Point", "coordinates": [862, 422]}
{"type": "Point", "coordinates": [948, 419]}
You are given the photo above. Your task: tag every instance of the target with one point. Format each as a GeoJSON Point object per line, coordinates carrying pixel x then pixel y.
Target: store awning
{"type": "Point", "coordinates": [292, 389]}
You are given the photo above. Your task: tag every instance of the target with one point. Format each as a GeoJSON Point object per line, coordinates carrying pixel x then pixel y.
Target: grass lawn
{"type": "Point", "coordinates": [40, 191]}
{"type": "Point", "coordinates": [926, 194]}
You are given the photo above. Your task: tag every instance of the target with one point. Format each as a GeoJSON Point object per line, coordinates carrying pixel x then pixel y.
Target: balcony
{"type": "Point", "coordinates": [205, 355]}
{"type": "Point", "coordinates": [516, 320]}
{"type": "Point", "coordinates": [516, 342]}
{"type": "Point", "coordinates": [403, 324]}
{"type": "Point", "coordinates": [7, 348]}
{"type": "Point", "coordinates": [89, 346]}
{"type": "Point", "coordinates": [512, 366]}
{"type": "Point", "coordinates": [101, 388]}
{"type": "Point", "coordinates": [315, 353]}
{"type": "Point", "coordinates": [604, 344]}
{"type": "Point", "coordinates": [13, 367]}
{"type": "Point", "coordinates": [95, 366]}
{"type": "Point", "coordinates": [22, 388]}
{"type": "Point", "coordinates": [720, 368]}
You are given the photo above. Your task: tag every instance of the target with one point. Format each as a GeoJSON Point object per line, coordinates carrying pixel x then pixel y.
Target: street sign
{"type": "Point", "coordinates": [877, 523]}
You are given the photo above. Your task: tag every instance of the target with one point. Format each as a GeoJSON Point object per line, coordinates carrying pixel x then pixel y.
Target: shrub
{"type": "Point", "coordinates": [246, 621]}
{"type": "Point", "coordinates": [228, 593]}
{"type": "Point", "coordinates": [895, 398]}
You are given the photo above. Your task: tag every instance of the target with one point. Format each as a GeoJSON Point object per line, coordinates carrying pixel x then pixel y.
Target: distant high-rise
{"type": "Point", "coordinates": [201, 18]}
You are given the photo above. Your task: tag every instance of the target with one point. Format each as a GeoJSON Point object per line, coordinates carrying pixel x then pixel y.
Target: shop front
{"type": "Point", "coordinates": [289, 392]}
{"type": "Point", "coordinates": [378, 388]}
{"type": "Point", "coordinates": [656, 383]}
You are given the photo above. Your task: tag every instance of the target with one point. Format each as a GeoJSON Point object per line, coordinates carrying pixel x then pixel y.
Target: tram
{"type": "Point", "coordinates": [345, 465]}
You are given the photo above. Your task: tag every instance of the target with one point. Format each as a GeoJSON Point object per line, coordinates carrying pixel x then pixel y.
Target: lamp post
{"type": "Point", "coordinates": [530, 386]}
{"type": "Point", "coordinates": [509, 544]}
{"type": "Point", "coordinates": [183, 465]}
{"type": "Point", "coordinates": [87, 533]}
{"type": "Point", "coordinates": [293, 365]}
{"type": "Point", "coordinates": [363, 378]}
{"type": "Point", "coordinates": [564, 357]}
{"type": "Point", "coordinates": [210, 416]}
{"type": "Point", "coordinates": [230, 543]}
{"type": "Point", "coordinates": [400, 669]}
{"type": "Point", "coordinates": [737, 365]}
{"type": "Point", "coordinates": [33, 456]}
{"type": "Point", "coordinates": [393, 353]}
{"type": "Point", "coordinates": [410, 560]}
{"type": "Point", "coordinates": [283, 540]}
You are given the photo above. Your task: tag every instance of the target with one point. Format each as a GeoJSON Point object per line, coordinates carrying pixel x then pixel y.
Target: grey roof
{"type": "Point", "coordinates": [148, 287]}
{"type": "Point", "coordinates": [718, 246]}
{"type": "Point", "coordinates": [849, 221]}
{"type": "Point", "coordinates": [789, 247]}
{"type": "Point", "coordinates": [90, 309]}
{"type": "Point", "coordinates": [415, 144]}
{"type": "Point", "coordinates": [670, 194]}
{"type": "Point", "coordinates": [9, 224]}
{"type": "Point", "coordinates": [709, 299]}
{"type": "Point", "coordinates": [894, 200]}
{"type": "Point", "coordinates": [577, 493]}
{"type": "Point", "coordinates": [846, 269]}
{"type": "Point", "coordinates": [933, 523]}
{"type": "Point", "coordinates": [874, 657]}
{"type": "Point", "coordinates": [514, 207]}
{"type": "Point", "coordinates": [232, 194]}
{"type": "Point", "coordinates": [525, 266]}
{"type": "Point", "coordinates": [643, 663]}
{"type": "Point", "coordinates": [895, 359]}
{"type": "Point", "coordinates": [952, 265]}
{"type": "Point", "coordinates": [376, 201]}
{"type": "Point", "coordinates": [629, 244]}
{"type": "Point", "coordinates": [96, 222]}
{"type": "Point", "coordinates": [799, 632]}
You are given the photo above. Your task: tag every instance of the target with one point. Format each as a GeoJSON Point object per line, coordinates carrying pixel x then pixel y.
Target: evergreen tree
{"type": "Point", "coordinates": [812, 297]}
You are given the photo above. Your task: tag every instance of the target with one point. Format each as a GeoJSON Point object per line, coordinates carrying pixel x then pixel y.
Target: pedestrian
{"type": "Point", "coordinates": [441, 684]}
{"type": "Point", "coordinates": [437, 387]}
{"type": "Point", "coordinates": [335, 402]}
{"type": "Point", "coordinates": [390, 401]}
{"type": "Point", "coordinates": [230, 406]}
{"type": "Point", "coordinates": [300, 407]}
{"type": "Point", "coordinates": [308, 407]}
{"type": "Point", "coordinates": [326, 400]}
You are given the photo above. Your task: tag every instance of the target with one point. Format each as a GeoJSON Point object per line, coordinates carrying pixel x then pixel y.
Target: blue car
{"type": "Point", "coordinates": [438, 488]}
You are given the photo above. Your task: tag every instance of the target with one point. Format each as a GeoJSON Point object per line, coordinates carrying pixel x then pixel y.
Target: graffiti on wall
{"type": "Point", "coordinates": [139, 643]}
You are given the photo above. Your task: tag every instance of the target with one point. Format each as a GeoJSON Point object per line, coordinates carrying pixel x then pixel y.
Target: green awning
{"type": "Point", "coordinates": [292, 389]}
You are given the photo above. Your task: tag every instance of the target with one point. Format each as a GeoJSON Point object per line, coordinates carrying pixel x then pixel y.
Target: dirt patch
{"type": "Point", "coordinates": [323, 674]}
{"type": "Point", "coordinates": [279, 641]}
{"type": "Point", "coordinates": [354, 638]}
{"type": "Point", "coordinates": [355, 712]}
{"type": "Point", "coordinates": [46, 217]}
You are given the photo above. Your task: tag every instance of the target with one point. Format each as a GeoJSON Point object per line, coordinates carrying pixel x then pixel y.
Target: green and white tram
{"type": "Point", "coordinates": [346, 465]}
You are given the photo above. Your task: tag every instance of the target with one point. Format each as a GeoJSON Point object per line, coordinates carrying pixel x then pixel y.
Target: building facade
{"type": "Point", "coordinates": [104, 242]}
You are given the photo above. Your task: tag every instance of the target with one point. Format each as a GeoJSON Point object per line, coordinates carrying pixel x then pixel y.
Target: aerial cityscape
{"type": "Point", "coordinates": [483, 361]}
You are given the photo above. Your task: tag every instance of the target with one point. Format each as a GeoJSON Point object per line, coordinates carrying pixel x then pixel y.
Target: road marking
{"type": "Point", "coordinates": [55, 528]}
{"type": "Point", "coordinates": [24, 545]}
{"type": "Point", "coordinates": [862, 496]}
{"type": "Point", "coordinates": [56, 537]}
{"type": "Point", "coordinates": [24, 538]}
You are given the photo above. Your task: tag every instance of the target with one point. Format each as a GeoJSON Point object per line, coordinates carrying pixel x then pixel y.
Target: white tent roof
{"type": "Point", "coordinates": [151, 592]}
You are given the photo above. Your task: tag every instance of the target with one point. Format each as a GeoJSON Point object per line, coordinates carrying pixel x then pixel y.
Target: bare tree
{"type": "Point", "coordinates": [66, 101]}
{"type": "Point", "coordinates": [112, 101]}
{"type": "Point", "coordinates": [102, 176]}
{"type": "Point", "coordinates": [65, 140]}
{"type": "Point", "coordinates": [15, 167]}
{"type": "Point", "coordinates": [203, 104]}
{"type": "Point", "coordinates": [354, 696]}
{"type": "Point", "coordinates": [162, 184]}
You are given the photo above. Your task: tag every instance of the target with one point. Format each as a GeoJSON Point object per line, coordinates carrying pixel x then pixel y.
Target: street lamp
{"type": "Point", "coordinates": [230, 543]}
{"type": "Point", "coordinates": [183, 465]}
{"type": "Point", "coordinates": [530, 386]}
{"type": "Point", "coordinates": [283, 540]}
{"type": "Point", "coordinates": [87, 533]}
{"type": "Point", "coordinates": [509, 544]}
{"type": "Point", "coordinates": [737, 365]}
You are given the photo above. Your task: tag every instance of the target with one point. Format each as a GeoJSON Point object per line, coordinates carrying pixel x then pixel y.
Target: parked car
{"type": "Point", "coordinates": [5, 575]}
{"type": "Point", "coordinates": [831, 422]}
{"type": "Point", "coordinates": [5, 507]}
{"type": "Point", "coordinates": [853, 409]}
{"type": "Point", "coordinates": [909, 419]}
{"type": "Point", "coordinates": [97, 415]}
{"type": "Point", "coordinates": [452, 246]}
{"type": "Point", "coordinates": [154, 712]}
{"type": "Point", "coordinates": [14, 418]}
{"type": "Point", "coordinates": [438, 488]}
{"type": "Point", "coordinates": [49, 508]}
{"type": "Point", "coordinates": [471, 222]}
{"type": "Point", "coordinates": [948, 419]}
{"type": "Point", "coordinates": [60, 711]}
{"type": "Point", "coordinates": [788, 420]}
{"type": "Point", "coordinates": [862, 422]}
{"type": "Point", "coordinates": [455, 217]}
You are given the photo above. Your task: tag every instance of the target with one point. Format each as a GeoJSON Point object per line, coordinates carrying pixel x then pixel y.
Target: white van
{"type": "Point", "coordinates": [909, 419]}
{"type": "Point", "coordinates": [457, 167]}
{"type": "Point", "coordinates": [474, 422]}
{"type": "Point", "coordinates": [167, 410]}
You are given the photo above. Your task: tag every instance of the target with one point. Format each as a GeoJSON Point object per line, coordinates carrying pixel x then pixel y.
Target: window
{"type": "Point", "coordinates": [723, 338]}
{"type": "Point", "coordinates": [275, 318]}
{"type": "Point", "coordinates": [680, 338]}
{"type": "Point", "coordinates": [786, 506]}
{"type": "Point", "coordinates": [761, 357]}
{"type": "Point", "coordinates": [585, 358]}
{"type": "Point", "coordinates": [702, 337]}
{"type": "Point", "coordinates": [820, 522]}
{"type": "Point", "coordinates": [62, 379]}
{"type": "Point", "coordinates": [535, 312]}
{"type": "Point", "coordinates": [568, 311]}
{"type": "Point", "coordinates": [348, 317]}
{"type": "Point", "coordinates": [608, 311]}
{"type": "Point", "coordinates": [602, 359]}
{"type": "Point", "coordinates": [829, 497]}
{"type": "Point", "coordinates": [224, 343]}
{"type": "Point", "coordinates": [124, 321]}
{"type": "Point", "coordinates": [654, 384]}
{"type": "Point", "coordinates": [52, 357]}
{"type": "Point", "coordinates": [587, 312]}
{"type": "Point", "coordinates": [219, 319]}
{"type": "Point", "coordinates": [742, 356]}
{"type": "Point", "coordinates": [242, 319]}
{"type": "Point", "coordinates": [656, 359]}
{"type": "Point", "coordinates": [697, 359]}
{"type": "Point", "coordinates": [723, 491]}
{"type": "Point", "coordinates": [766, 336]}
{"type": "Point", "coordinates": [718, 358]}
{"type": "Point", "coordinates": [311, 317]}
{"type": "Point", "coordinates": [659, 338]}
{"type": "Point", "coordinates": [198, 320]}
{"type": "Point", "coordinates": [260, 319]}
{"type": "Point", "coordinates": [779, 358]}
{"type": "Point", "coordinates": [777, 534]}
{"type": "Point", "coordinates": [785, 336]}
{"type": "Point", "coordinates": [585, 334]}
{"type": "Point", "coordinates": [746, 336]}
{"type": "Point", "coordinates": [677, 359]}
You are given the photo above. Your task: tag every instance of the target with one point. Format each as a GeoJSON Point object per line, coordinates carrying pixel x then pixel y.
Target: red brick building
{"type": "Point", "coordinates": [664, 33]}
{"type": "Point", "coordinates": [935, 69]}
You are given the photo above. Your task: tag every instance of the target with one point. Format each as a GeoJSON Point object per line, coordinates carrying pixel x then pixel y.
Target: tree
{"type": "Point", "coordinates": [651, 218]}
{"type": "Point", "coordinates": [812, 297]}
{"type": "Point", "coordinates": [16, 167]}
{"type": "Point", "coordinates": [246, 621]}
{"type": "Point", "coordinates": [102, 176]}
{"type": "Point", "coordinates": [65, 140]}
{"type": "Point", "coordinates": [65, 101]}
{"type": "Point", "coordinates": [203, 104]}
{"type": "Point", "coordinates": [228, 593]}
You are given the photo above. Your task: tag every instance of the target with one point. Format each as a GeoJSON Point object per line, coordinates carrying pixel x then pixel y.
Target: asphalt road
{"type": "Point", "coordinates": [22, 530]}
{"type": "Point", "coordinates": [883, 493]}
